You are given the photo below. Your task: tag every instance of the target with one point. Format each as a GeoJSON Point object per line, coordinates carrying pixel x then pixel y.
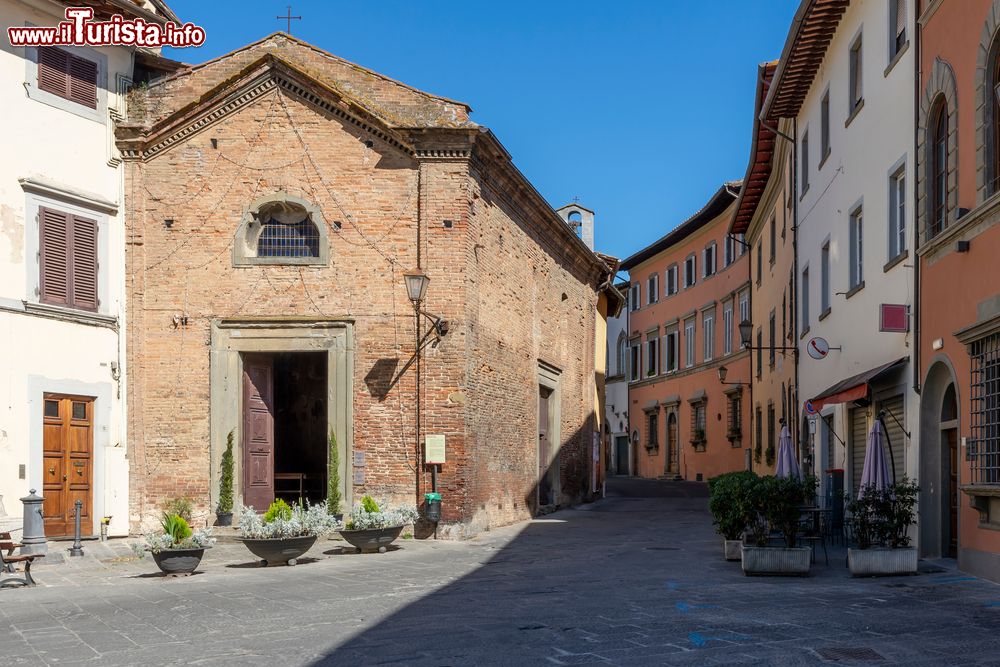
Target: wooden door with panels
{"type": "Point", "coordinates": [258, 431]}
{"type": "Point", "coordinates": [67, 462]}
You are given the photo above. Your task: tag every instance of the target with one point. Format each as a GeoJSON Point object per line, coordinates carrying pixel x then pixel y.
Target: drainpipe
{"type": "Point", "coordinates": [416, 348]}
{"type": "Point", "coordinates": [795, 274]}
{"type": "Point", "coordinates": [918, 70]}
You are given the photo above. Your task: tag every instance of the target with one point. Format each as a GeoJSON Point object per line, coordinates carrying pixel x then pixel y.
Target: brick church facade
{"type": "Point", "coordinates": [274, 198]}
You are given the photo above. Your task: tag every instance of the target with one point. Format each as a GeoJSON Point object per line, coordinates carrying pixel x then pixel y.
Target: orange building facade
{"type": "Point", "coordinates": [688, 292]}
{"type": "Point", "coordinates": [958, 211]}
{"type": "Point", "coordinates": [764, 218]}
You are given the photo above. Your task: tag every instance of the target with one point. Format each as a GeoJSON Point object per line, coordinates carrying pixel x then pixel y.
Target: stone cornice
{"type": "Point", "coordinates": [965, 228]}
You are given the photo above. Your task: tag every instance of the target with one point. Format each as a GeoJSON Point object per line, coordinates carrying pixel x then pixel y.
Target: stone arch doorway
{"type": "Point", "coordinates": [939, 462]}
{"type": "Point", "coordinates": [671, 466]}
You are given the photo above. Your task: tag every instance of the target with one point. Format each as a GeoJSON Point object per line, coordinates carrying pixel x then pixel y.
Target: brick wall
{"type": "Point", "coordinates": [494, 275]}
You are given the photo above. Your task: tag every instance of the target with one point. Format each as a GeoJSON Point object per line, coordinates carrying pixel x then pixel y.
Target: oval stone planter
{"type": "Point", "coordinates": [375, 539]}
{"type": "Point", "coordinates": [279, 550]}
{"type": "Point", "coordinates": [734, 549]}
{"type": "Point", "coordinates": [881, 562]}
{"type": "Point", "coordinates": [776, 561]}
{"type": "Point", "coordinates": [178, 562]}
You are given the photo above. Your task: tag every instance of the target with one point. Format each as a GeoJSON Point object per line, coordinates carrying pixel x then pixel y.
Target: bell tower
{"type": "Point", "coordinates": [581, 220]}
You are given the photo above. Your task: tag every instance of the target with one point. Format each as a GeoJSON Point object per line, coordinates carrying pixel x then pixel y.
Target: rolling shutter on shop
{"type": "Point", "coordinates": [859, 437]}
{"type": "Point", "coordinates": [897, 439]}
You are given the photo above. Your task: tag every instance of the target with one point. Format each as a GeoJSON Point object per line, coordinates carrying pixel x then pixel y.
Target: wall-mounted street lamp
{"type": "Point", "coordinates": [746, 332]}
{"type": "Point", "coordinates": [416, 282]}
{"type": "Point", "coordinates": [723, 371]}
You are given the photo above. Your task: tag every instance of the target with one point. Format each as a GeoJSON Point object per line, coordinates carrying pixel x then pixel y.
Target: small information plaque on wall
{"type": "Point", "coordinates": [359, 477]}
{"type": "Point", "coordinates": [434, 449]}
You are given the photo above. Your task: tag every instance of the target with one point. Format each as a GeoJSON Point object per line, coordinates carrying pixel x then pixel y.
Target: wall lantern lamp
{"type": "Point", "coordinates": [746, 331]}
{"type": "Point", "coordinates": [723, 371]}
{"type": "Point", "coordinates": [416, 282]}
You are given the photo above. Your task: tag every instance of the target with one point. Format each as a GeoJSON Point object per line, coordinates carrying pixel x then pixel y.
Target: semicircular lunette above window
{"type": "Point", "coordinates": [281, 229]}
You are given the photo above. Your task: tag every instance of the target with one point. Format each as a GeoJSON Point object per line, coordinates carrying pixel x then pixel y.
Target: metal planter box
{"type": "Point", "coordinates": [881, 562]}
{"type": "Point", "coordinates": [776, 561]}
{"type": "Point", "coordinates": [178, 562]}
{"type": "Point", "coordinates": [734, 549]}
{"type": "Point", "coordinates": [279, 551]}
{"type": "Point", "coordinates": [373, 539]}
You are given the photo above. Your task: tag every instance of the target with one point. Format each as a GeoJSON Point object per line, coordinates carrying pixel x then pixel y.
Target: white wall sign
{"type": "Point", "coordinates": [818, 348]}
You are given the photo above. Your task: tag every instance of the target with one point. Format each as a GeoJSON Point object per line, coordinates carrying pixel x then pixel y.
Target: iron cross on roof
{"type": "Point", "coordinates": [288, 18]}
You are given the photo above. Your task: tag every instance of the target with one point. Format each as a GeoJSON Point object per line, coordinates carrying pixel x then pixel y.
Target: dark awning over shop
{"type": "Point", "coordinates": [854, 387]}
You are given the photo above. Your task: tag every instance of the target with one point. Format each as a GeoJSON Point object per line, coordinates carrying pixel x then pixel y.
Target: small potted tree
{"type": "Point", "coordinates": [732, 512]}
{"type": "Point", "coordinates": [283, 534]}
{"type": "Point", "coordinates": [333, 479]}
{"type": "Point", "coordinates": [224, 512]}
{"type": "Point", "coordinates": [177, 549]}
{"type": "Point", "coordinates": [371, 528]}
{"type": "Point", "coordinates": [880, 520]}
{"type": "Point", "coordinates": [777, 502]}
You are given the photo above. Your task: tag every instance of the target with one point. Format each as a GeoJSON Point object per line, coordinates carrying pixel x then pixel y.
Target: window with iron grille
{"type": "Point", "coordinates": [769, 451]}
{"type": "Point", "coordinates": [983, 449]}
{"type": "Point", "coordinates": [758, 446]}
{"type": "Point", "coordinates": [735, 418]}
{"type": "Point", "coordinates": [698, 422]}
{"type": "Point", "coordinates": [278, 239]}
{"type": "Point", "coordinates": [652, 429]}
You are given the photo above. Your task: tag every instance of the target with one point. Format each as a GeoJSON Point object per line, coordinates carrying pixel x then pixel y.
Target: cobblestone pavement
{"type": "Point", "coordinates": [636, 579]}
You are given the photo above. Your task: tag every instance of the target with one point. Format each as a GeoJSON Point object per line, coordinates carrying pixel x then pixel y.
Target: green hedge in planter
{"type": "Point", "coordinates": [882, 517]}
{"type": "Point", "coordinates": [729, 497]}
{"type": "Point", "coordinates": [777, 503]}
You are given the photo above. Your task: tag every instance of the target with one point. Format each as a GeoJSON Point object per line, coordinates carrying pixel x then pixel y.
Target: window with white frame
{"type": "Point", "coordinates": [855, 63]}
{"type": "Point", "coordinates": [772, 233]}
{"type": "Point", "coordinates": [741, 244]}
{"type": "Point", "coordinates": [652, 355]}
{"type": "Point", "coordinates": [897, 27]}
{"type": "Point", "coordinates": [653, 288]}
{"type": "Point", "coordinates": [804, 161]}
{"type": "Point", "coordinates": [708, 259]}
{"type": "Point", "coordinates": [744, 307]}
{"type": "Point", "coordinates": [671, 280]}
{"type": "Point", "coordinates": [824, 126]}
{"type": "Point", "coordinates": [727, 328]}
{"type": "Point", "coordinates": [824, 278]}
{"type": "Point", "coordinates": [633, 361]}
{"type": "Point", "coordinates": [708, 333]}
{"type": "Point", "coordinates": [633, 301]}
{"type": "Point", "coordinates": [897, 214]}
{"type": "Point", "coordinates": [670, 351]}
{"type": "Point", "coordinates": [857, 248]}
{"type": "Point", "coordinates": [689, 343]}
{"type": "Point", "coordinates": [804, 298]}
{"type": "Point", "coordinates": [728, 251]}
{"type": "Point", "coordinates": [690, 271]}
{"type": "Point", "coordinates": [622, 361]}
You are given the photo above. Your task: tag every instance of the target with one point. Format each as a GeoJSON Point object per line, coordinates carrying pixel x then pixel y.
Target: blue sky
{"type": "Point", "coordinates": [640, 109]}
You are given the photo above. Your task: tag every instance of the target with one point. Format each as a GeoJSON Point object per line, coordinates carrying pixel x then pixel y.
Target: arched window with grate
{"type": "Point", "coordinates": [281, 229]}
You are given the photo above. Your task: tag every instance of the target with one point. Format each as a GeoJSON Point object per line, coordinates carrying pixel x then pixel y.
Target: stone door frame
{"type": "Point", "coordinates": [231, 338]}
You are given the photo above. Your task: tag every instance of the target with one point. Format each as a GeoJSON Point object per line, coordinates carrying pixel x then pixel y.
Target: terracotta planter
{"type": "Point", "coordinates": [279, 550]}
{"type": "Point", "coordinates": [178, 562]}
{"type": "Point", "coordinates": [881, 562]}
{"type": "Point", "coordinates": [734, 549]}
{"type": "Point", "coordinates": [376, 539]}
{"type": "Point", "coordinates": [776, 561]}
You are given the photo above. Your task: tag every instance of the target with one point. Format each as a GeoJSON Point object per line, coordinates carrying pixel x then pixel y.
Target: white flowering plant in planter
{"type": "Point", "coordinates": [367, 515]}
{"type": "Point", "coordinates": [175, 533]}
{"type": "Point", "coordinates": [284, 521]}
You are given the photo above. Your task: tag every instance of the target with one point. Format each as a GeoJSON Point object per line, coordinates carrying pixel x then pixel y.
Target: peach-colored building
{"type": "Point", "coordinates": [958, 321]}
{"type": "Point", "coordinates": [687, 291]}
{"type": "Point", "coordinates": [764, 217]}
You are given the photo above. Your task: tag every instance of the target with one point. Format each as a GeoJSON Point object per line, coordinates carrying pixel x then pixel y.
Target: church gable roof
{"type": "Point", "coordinates": [399, 105]}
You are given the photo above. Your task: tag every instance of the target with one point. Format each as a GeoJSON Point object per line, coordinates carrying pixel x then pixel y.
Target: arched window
{"type": "Point", "coordinates": [622, 354]}
{"type": "Point", "coordinates": [281, 229]}
{"type": "Point", "coordinates": [938, 171]}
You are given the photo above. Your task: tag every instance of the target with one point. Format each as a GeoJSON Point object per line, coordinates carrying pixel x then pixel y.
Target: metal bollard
{"type": "Point", "coordinates": [77, 548]}
{"type": "Point", "coordinates": [33, 527]}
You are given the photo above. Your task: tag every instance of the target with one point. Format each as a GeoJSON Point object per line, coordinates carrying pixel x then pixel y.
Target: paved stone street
{"type": "Point", "coordinates": [636, 579]}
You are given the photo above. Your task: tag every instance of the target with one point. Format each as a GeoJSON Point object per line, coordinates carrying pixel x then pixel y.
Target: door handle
{"type": "Point", "coordinates": [52, 471]}
{"type": "Point", "coordinates": [64, 478]}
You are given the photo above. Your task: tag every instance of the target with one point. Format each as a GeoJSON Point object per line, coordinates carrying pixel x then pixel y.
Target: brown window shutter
{"type": "Point", "coordinates": [53, 70]}
{"type": "Point", "coordinates": [53, 256]}
{"type": "Point", "coordinates": [84, 283]}
{"type": "Point", "coordinates": [83, 81]}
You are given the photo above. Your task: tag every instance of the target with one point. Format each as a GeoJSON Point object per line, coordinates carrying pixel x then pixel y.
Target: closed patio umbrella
{"type": "Point", "coordinates": [876, 470]}
{"type": "Point", "coordinates": [787, 465]}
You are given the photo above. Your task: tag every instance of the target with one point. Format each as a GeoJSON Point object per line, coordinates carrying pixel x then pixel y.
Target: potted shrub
{"type": "Point", "coordinates": [777, 502]}
{"type": "Point", "coordinates": [880, 522]}
{"type": "Point", "coordinates": [283, 534]}
{"type": "Point", "coordinates": [224, 512]}
{"type": "Point", "coordinates": [371, 528]}
{"type": "Point", "coordinates": [732, 512]}
{"type": "Point", "coordinates": [177, 550]}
